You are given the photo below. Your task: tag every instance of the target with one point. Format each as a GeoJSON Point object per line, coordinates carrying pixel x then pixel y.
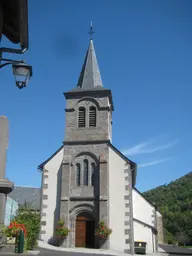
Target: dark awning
{"type": "Point", "coordinates": [15, 21]}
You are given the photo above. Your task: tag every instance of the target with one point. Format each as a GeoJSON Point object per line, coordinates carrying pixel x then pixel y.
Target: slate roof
{"type": "Point", "coordinates": [90, 77]}
{"type": "Point", "coordinates": [28, 195]}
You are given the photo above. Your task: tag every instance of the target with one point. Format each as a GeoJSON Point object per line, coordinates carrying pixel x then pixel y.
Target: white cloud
{"type": "Point", "coordinates": [146, 148]}
{"type": "Point", "coordinates": [154, 162]}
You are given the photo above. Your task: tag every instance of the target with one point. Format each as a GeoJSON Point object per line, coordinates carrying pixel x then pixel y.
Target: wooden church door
{"type": "Point", "coordinates": [80, 232]}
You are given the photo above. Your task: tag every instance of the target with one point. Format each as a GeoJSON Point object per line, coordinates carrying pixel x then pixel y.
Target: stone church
{"type": "Point", "coordinates": [88, 179]}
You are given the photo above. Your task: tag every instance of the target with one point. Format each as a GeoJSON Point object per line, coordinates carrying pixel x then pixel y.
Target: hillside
{"type": "Point", "coordinates": [174, 201]}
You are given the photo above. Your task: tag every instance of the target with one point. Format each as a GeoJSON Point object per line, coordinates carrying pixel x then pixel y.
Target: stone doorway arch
{"type": "Point", "coordinates": [85, 230]}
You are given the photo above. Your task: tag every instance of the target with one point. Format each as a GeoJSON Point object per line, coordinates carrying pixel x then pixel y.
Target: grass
{"type": "Point", "coordinates": [186, 246]}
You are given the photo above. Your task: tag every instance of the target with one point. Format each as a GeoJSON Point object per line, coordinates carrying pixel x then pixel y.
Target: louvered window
{"type": "Point", "coordinates": [92, 116]}
{"type": "Point", "coordinates": [85, 173]}
{"type": "Point", "coordinates": [92, 174]}
{"type": "Point", "coordinates": [81, 119]}
{"type": "Point", "coordinates": [78, 175]}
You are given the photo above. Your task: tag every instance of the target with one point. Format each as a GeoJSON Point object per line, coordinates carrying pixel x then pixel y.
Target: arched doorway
{"type": "Point", "coordinates": [85, 230]}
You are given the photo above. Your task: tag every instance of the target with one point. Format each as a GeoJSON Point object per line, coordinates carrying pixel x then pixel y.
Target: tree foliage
{"type": "Point", "coordinates": [31, 220]}
{"type": "Point", "coordinates": [174, 201]}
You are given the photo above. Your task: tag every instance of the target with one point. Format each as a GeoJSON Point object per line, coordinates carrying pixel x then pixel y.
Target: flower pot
{"type": "Point", "coordinates": [61, 240]}
{"type": "Point", "coordinates": [103, 243]}
{"type": "Point", "coordinates": [11, 240]}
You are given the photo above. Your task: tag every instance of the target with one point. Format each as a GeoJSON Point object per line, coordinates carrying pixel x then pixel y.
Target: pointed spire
{"type": "Point", "coordinates": [90, 77]}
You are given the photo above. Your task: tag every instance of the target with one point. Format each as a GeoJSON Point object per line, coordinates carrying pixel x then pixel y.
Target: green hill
{"type": "Point", "coordinates": [174, 201]}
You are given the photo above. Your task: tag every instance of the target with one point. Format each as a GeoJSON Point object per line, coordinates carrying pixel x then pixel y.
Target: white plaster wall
{"type": "Point", "coordinates": [144, 233]}
{"type": "Point", "coordinates": [53, 166]}
{"type": "Point", "coordinates": [154, 241]}
{"type": "Point", "coordinates": [116, 201]}
{"type": "Point", "coordinates": [142, 209]}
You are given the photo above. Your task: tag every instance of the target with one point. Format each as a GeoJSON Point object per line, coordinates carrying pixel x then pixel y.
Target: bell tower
{"type": "Point", "coordinates": [84, 183]}
{"type": "Point", "coordinates": [89, 105]}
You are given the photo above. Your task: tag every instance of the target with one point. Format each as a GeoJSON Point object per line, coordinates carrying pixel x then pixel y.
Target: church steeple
{"type": "Point", "coordinates": [90, 77]}
{"type": "Point", "coordinates": [89, 105]}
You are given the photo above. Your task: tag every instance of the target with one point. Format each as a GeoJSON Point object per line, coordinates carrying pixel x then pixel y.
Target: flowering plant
{"type": "Point", "coordinates": [13, 229]}
{"type": "Point", "coordinates": [62, 231]}
{"type": "Point", "coordinates": [102, 230]}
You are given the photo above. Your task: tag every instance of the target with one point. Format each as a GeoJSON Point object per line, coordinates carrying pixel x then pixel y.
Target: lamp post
{"type": "Point", "coordinates": [21, 71]}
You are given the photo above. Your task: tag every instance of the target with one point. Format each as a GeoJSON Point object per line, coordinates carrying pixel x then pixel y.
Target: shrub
{"type": "Point", "coordinates": [14, 228]}
{"type": "Point", "coordinates": [31, 220]}
{"type": "Point", "coordinates": [3, 238]}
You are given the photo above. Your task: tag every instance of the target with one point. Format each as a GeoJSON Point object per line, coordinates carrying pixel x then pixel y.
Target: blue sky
{"type": "Point", "coordinates": [144, 50]}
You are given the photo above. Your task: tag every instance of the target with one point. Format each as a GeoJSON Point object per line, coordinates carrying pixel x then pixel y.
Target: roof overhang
{"type": "Point", "coordinates": [40, 167]}
{"type": "Point", "coordinates": [15, 21]}
{"type": "Point", "coordinates": [132, 164]}
{"type": "Point", "coordinates": [78, 93]}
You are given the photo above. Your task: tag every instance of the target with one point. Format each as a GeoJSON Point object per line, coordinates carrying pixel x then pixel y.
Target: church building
{"type": "Point", "coordinates": [88, 179]}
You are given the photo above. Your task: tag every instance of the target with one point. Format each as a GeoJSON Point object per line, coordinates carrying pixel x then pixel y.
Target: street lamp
{"type": "Point", "coordinates": [22, 74]}
{"type": "Point", "coordinates": [21, 71]}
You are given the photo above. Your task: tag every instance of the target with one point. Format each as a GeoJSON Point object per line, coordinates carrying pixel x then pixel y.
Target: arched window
{"type": "Point", "coordinates": [92, 174]}
{"type": "Point", "coordinates": [78, 174]}
{"type": "Point", "coordinates": [92, 116]}
{"type": "Point", "coordinates": [85, 173]}
{"type": "Point", "coordinates": [81, 118]}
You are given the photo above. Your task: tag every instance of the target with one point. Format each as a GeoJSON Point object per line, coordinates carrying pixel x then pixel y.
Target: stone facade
{"type": "Point", "coordinates": [5, 185]}
{"type": "Point", "coordinates": [102, 131]}
{"type": "Point", "coordinates": [160, 236]}
{"type": "Point", "coordinates": [90, 144]}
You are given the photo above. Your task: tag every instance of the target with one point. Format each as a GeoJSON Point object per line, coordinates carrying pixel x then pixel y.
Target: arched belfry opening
{"type": "Point", "coordinates": [85, 230]}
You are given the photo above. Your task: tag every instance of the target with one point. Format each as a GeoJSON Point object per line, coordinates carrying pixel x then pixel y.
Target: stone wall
{"type": "Point", "coordinates": [76, 199]}
{"type": "Point", "coordinates": [160, 236]}
{"type": "Point", "coordinates": [100, 132]}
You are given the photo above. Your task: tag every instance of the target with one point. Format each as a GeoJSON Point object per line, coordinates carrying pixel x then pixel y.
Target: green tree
{"type": "Point", "coordinates": [182, 238]}
{"type": "Point", "coordinates": [174, 201]}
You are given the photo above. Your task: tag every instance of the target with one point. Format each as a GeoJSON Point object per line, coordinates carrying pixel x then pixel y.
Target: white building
{"type": "Point", "coordinates": [88, 179]}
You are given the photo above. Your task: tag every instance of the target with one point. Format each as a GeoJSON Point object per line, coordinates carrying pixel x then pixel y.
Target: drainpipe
{"type": "Point", "coordinates": [69, 193]}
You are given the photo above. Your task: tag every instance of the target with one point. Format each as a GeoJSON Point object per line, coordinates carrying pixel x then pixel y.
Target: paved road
{"type": "Point", "coordinates": [44, 252]}
{"type": "Point", "coordinates": [176, 250]}
{"type": "Point", "coordinates": [170, 250]}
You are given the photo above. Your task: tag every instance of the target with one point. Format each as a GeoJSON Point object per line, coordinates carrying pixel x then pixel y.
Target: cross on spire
{"type": "Point", "coordinates": [91, 32]}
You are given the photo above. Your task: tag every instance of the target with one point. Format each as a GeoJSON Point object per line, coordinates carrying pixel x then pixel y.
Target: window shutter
{"type": "Point", "coordinates": [92, 116]}
{"type": "Point", "coordinates": [81, 119]}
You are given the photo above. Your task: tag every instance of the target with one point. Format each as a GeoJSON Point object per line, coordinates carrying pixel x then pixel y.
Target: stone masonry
{"type": "Point", "coordinates": [5, 185]}
{"type": "Point", "coordinates": [85, 143]}
{"type": "Point", "coordinates": [128, 223]}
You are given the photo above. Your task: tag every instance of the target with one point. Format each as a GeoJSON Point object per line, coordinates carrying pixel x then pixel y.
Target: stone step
{"type": "Point", "coordinates": [7, 248]}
